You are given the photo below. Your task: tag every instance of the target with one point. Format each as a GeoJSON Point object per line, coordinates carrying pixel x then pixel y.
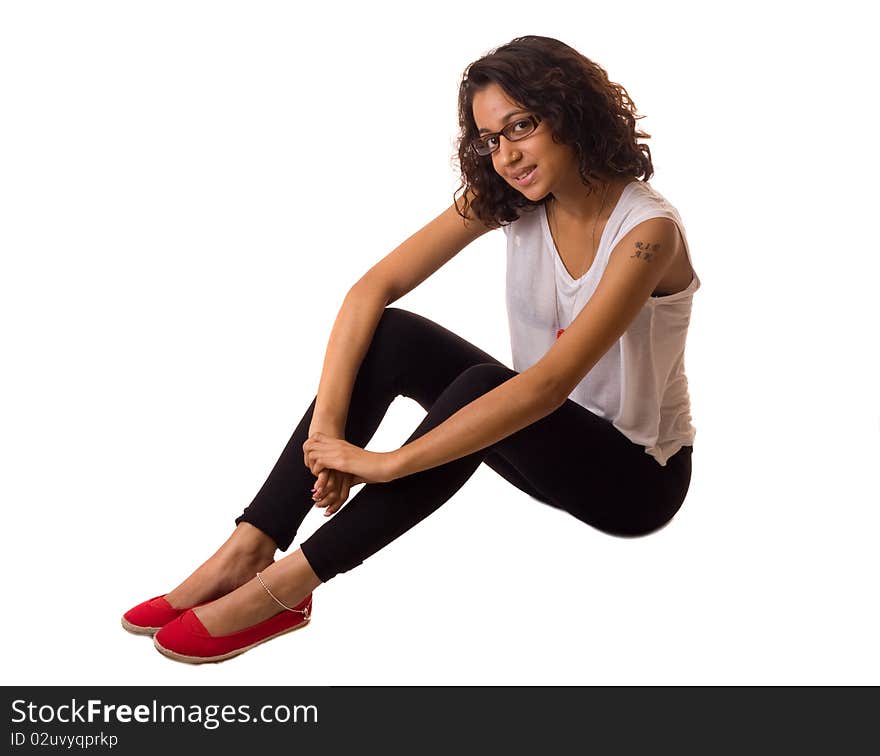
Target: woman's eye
{"type": "Point", "coordinates": [524, 124]}
{"type": "Point", "coordinates": [490, 141]}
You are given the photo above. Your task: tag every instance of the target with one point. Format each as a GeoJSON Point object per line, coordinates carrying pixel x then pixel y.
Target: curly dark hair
{"type": "Point", "coordinates": [574, 96]}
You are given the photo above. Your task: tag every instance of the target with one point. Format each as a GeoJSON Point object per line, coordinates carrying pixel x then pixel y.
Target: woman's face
{"type": "Point", "coordinates": [554, 164]}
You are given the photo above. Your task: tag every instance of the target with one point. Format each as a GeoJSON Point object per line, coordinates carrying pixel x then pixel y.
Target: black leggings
{"type": "Point", "coordinates": [572, 458]}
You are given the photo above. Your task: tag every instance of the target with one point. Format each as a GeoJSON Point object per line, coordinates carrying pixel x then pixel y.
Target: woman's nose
{"type": "Point", "coordinates": [508, 152]}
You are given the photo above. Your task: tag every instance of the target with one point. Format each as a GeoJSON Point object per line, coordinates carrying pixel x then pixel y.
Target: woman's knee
{"type": "Point", "coordinates": [390, 342]}
{"type": "Point", "coordinates": [395, 329]}
{"type": "Point", "coordinates": [394, 319]}
{"type": "Point", "coordinates": [480, 379]}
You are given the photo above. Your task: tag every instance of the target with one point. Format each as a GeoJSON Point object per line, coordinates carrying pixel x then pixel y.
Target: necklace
{"type": "Point", "coordinates": [560, 331]}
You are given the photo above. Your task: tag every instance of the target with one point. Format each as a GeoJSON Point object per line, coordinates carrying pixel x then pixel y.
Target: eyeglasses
{"type": "Point", "coordinates": [514, 131]}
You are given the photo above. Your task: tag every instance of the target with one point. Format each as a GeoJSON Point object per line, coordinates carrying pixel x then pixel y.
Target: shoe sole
{"type": "Point", "coordinates": [139, 629]}
{"type": "Point", "coordinates": [222, 657]}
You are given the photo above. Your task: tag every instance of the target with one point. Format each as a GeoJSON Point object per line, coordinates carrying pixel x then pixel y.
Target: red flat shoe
{"type": "Point", "coordinates": [186, 639]}
{"type": "Point", "coordinates": [148, 617]}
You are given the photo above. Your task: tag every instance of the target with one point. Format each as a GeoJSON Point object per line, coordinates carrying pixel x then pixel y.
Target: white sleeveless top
{"type": "Point", "coordinates": [639, 384]}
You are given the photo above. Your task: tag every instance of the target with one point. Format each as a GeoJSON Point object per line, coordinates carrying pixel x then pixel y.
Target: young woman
{"type": "Point", "coordinates": [595, 416]}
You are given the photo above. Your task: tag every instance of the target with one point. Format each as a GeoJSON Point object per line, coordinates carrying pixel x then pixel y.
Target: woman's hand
{"type": "Point", "coordinates": [321, 452]}
{"type": "Point", "coordinates": [332, 490]}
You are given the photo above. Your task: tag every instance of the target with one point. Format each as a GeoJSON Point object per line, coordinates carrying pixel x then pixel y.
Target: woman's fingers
{"type": "Point", "coordinates": [321, 485]}
{"type": "Point", "coordinates": [306, 460]}
{"type": "Point", "coordinates": [341, 498]}
{"type": "Point", "coordinates": [326, 491]}
{"type": "Point", "coordinates": [311, 461]}
{"type": "Point", "coordinates": [334, 506]}
{"type": "Point", "coordinates": [321, 482]}
{"type": "Point", "coordinates": [337, 493]}
{"type": "Point", "coordinates": [333, 488]}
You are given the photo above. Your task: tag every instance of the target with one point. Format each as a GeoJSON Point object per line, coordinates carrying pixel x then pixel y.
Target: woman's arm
{"type": "Point", "coordinates": [398, 273]}
{"type": "Point", "coordinates": [635, 269]}
{"type": "Point", "coordinates": [516, 403]}
{"type": "Point", "coordinates": [349, 340]}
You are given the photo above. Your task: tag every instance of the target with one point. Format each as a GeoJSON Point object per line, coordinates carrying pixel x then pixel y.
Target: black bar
{"type": "Point", "coordinates": [453, 720]}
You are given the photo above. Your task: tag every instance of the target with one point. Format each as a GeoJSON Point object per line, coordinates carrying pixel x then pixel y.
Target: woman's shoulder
{"type": "Point", "coordinates": [645, 201]}
{"type": "Point", "coordinates": [646, 193]}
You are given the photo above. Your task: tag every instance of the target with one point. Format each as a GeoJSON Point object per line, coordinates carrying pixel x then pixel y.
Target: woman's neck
{"type": "Point", "coordinates": [580, 208]}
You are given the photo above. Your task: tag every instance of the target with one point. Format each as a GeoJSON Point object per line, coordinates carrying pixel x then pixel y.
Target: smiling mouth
{"type": "Point", "coordinates": [525, 178]}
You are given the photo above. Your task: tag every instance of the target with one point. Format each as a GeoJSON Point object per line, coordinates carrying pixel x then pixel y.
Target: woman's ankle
{"type": "Point", "coordinates": [244, 553]}
{"type": "Point", "coordinates": [249, 541]}
{"type": "Point", "coordinates": [284, 584]}
{"type": "Point", "coordinates": [290, 579]}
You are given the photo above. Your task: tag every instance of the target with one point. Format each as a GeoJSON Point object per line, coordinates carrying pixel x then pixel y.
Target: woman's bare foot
{"type": "Point", "coordinates": [291, 579]}
{"type": "Point", "coordinates": [247, 551]}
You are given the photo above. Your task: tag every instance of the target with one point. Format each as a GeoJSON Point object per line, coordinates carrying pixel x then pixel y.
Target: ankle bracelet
{"type": "Point", "coordinates": [303, 612]}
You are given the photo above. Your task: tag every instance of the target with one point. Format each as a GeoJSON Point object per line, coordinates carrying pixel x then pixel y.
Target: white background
{"type": "Point", "coordinates": [187, 190]}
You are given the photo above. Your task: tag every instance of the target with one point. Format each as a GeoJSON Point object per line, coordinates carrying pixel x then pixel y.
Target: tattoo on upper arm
{"type": "Point", "coordinates": [645, 251]}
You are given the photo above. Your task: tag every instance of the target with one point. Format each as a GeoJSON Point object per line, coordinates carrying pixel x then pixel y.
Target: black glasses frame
{"type": "Point", "coordinates": [507, 133]}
